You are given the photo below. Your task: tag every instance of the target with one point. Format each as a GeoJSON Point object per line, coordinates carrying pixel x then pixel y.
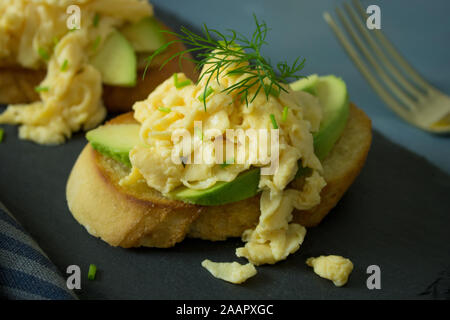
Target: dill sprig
{"type": "Point", "coordinates": [218, 51]}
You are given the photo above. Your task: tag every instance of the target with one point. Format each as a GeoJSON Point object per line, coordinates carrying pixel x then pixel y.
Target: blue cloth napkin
{"type": "Point", "coordinates": [25, 270]}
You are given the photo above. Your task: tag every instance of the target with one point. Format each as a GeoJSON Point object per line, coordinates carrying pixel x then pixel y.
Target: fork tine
{"type": "Point", "coordinates": [374, 83]}
{"type": "Point", "coordinates": [394, 52]}
{"type": "Point", "coordinates": [359, 43]}
{"type": "Point", "coordinates": [380, 54]}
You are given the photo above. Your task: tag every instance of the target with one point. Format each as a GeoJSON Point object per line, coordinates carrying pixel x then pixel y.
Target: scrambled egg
{"type": "Point", "coordinates": [169, 108]}
{"type": "Point", "coordinates": [334, 268]}
{"type": "Point", "coordinates": [231, 272]}
{"type": "Point", "coordinates": [34, 34]}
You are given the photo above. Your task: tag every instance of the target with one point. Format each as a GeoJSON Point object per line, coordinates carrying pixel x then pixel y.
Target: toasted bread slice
{"type": "Point", "coordinates": [140, 216]}
{"type": "Point", "coordinates": [17, 84]}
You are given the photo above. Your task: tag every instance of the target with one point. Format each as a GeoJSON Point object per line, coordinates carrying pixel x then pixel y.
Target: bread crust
{"type": "Point", "coordinates": [17, 84]}
{"type": "Point", "coordinates": [141, 216]}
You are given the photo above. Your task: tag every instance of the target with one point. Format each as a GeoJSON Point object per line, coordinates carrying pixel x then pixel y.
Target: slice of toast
{"type": "Point", "coordinates": [141, 216]}
{"type": "Point", "coordinates": [17, 84]}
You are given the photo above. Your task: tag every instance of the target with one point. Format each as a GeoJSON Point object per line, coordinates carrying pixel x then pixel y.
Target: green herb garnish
{"type": "Point", "coordinates": [285, 113]}
{"type": "Point", "coordinates": [183, 161]}
{"type": "Point", "coordinates": [55, 41]}
{"type": "Point", "coordinates": [2, 132]}
{"type": "Point", "coordinates": [274, 121]}
{"type": "Point", "coordinates": [44, 54]}
{"type": "Point", "coordinates": [234, 49]}
{"type": "Point", "coordinates": [96, 20]}
{"type": "Point", "coordinates": [92, 271]}
{"type": "Point", "coordinates": [181, 84]}
{"type": "Point", "coordinates": [64, 65]}
{"type": "Point", "coordinates": [96, 42]}
{"type": "Point", "coordinates": [164, 109]}
{"type": "Point", "coordinates": [206, 94]}
{"type": "Point", "coordinates": [41, 89]}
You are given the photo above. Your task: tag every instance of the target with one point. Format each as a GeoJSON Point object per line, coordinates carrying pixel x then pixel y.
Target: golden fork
{"type": "Point", "coordinates": [420, 104]}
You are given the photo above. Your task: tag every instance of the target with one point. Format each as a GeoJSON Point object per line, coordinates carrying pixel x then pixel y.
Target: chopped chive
{"type": "Point", "coordinates": [227, 163]}
{"type": "Point", "coordinates": [64, 65]}
{"type": "Point", "coordinates": [44, 54]}
{"type": "Point", "coordinates": [285, 113]}
{"type": "Point", "coordinates": [206, 94]}
{"type": "Point", "coordinates": [181, 84]}
{"type": "Point", "coordinates": [1, 134]}
{"type": "Point", "coordinates": [92, 271]}
{"type": "Point", "coordinates": [274, 121]}
{"type": "Point", "coordinates": [96, 20]}
{"type": "Point", "coordinates": [163, 109]}
{"type": "Point", "coordinates": [96, 42]}
{"type": "Point", "coordinates": [73, 29]}
{"type": "Point", "coordinates": [41, 89]}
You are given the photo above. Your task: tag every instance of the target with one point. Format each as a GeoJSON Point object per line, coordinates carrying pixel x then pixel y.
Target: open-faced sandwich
{"type": "Point", "coordinates": [238, 154]}
{"type": "Point", "coordinates": [63, 61]}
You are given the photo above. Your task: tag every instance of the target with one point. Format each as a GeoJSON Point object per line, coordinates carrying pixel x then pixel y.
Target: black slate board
{"type": "Point", "coordinates": [396, 215]}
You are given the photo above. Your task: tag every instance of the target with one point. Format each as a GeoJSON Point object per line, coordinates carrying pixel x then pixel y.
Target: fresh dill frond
{"type": "Point", "coordinates": [233, 54]}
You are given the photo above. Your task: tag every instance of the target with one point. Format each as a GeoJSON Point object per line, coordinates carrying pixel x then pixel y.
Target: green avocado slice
{"type": "Point", "coordinates": [307, 84]}
{"type": "Point", "coordinates": [244, 186]}
{"type": "Point", "coordinates": [116, 141]}
{"type": "Point", "coordinates": [116, 61]}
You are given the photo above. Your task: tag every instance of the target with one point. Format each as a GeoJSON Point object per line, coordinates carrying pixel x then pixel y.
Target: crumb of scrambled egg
{"type": "Point", "coordinates": [231, 272]}
{"type": "Point", "coordinates": [334, 268]}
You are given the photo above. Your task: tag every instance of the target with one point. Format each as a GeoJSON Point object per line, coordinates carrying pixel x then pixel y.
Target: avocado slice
{"type": "Point", "coordinates": [333, 98]}
{"type": "Point", "coordinates": [116, 61]}
{"type": "Point", "coordinates": [115, 141]}
{"type": "Point", "coordinates": [145, 35]}
{"type": "Point", "coordinates": [244, 186]}
{"type": "Point", "coordinates": [332, 94]}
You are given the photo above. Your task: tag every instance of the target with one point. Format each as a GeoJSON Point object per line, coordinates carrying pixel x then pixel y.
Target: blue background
{"type": "Point", "coordinates": [419, 29]}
